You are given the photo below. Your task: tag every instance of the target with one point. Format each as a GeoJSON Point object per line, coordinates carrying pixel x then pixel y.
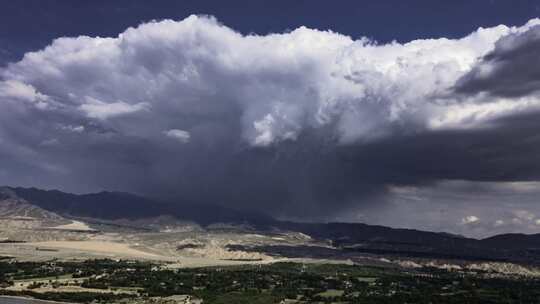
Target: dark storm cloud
{"type": "Point", "coordinates": [512, 69]}
{"type": "Point", "coordinates": [305, 124]}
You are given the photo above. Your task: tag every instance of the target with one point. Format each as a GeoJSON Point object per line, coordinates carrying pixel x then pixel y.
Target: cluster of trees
{"type": "Point", "coordinates": [273, 283]}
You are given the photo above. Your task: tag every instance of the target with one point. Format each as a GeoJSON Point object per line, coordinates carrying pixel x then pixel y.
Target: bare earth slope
{"type": "Point", "coordinates": [53, 224]}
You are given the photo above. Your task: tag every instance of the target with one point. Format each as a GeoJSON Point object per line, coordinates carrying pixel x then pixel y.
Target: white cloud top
{"type": "Point", "coordinates": [281, 84]}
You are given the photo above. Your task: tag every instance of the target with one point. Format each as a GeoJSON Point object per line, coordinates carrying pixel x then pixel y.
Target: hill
{"type": "Point", "coordinates": [344, 238]}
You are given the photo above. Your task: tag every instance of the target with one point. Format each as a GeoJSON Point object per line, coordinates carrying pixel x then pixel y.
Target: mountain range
{"type": "Point", "coordinates": [343, 238]}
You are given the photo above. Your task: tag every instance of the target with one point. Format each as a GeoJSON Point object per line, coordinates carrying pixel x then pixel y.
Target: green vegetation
{"type": "Point", "coordinates": [107, 281]}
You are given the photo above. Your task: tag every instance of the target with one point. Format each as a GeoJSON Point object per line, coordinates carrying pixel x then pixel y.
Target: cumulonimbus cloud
{"type": "Point", "coordinates": [231, 96]}
{"type": "Point", "coordinates": [281, 84]}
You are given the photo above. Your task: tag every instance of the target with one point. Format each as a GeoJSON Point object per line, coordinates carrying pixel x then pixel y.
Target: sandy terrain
{"type": "Point", "coordinates": [178, 248]}
{"type": "Point", "coordinates": [66, 250]}
{"type": "Point", "coordinates": [98, 246]}
{"type": "Point", "coordinates": [75, 225]}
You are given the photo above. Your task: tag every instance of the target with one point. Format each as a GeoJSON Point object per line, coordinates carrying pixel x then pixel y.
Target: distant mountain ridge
{"type": "Point", "coordinates": [362, 238]}
{"type": "Point", "coordinates": [120, 205]}
{"type": "Point", "coordinates": [345, 237]}
{"type": "Point", "coordinates": [15, 208]}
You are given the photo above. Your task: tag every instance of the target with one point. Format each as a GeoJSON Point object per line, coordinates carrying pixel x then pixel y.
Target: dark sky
{"type": "Point", "coordinates": [31, 24]}
{"type": "Point", "coordinates": [305, 110]}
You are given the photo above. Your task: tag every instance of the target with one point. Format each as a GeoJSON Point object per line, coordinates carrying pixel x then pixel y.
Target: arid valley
{"type": "Point", "coordinates": [63, 245]}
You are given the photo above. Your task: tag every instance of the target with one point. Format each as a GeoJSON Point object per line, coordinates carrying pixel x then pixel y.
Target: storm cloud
{"type": "Point", "coordinates": [300, 124]}
{"type": "Point", "coordinates": [511, 69]}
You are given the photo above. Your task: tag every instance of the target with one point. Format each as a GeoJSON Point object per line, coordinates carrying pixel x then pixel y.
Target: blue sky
{"type": "Point", "coordinates": [32, 24]}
